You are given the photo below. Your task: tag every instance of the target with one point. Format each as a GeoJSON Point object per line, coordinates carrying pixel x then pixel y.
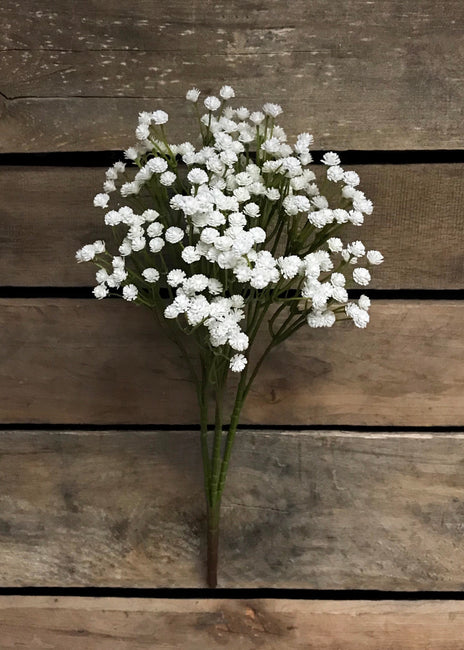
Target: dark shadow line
{"type": "Point", "coordinates": [241, 594]}
{"type": "Point", "coordinates": [85, 293]}
{"type": "Point", "coordinates": [348, 157]}
{"type": "Point", "coordinates": [154, 427]}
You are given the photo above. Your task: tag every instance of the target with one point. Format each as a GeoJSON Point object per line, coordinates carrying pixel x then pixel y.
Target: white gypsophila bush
{"type": "Point", "coordinates": [220, 236]}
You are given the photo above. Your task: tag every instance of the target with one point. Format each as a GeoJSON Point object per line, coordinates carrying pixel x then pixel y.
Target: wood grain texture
{"type": "Point", "coordinates": [83, 361]}
{"type": "Point", "coordinates": [136, 624]}
{"type": "Point", "coordinates": [315, 510]}
{"type": "Point", "coordinates": [361, 76]}
{"type": "Point", "coordinates": [417, 223]}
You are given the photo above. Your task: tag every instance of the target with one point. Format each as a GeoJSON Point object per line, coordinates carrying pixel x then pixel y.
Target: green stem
{"type": "Point", "coordinates": [213, 515]}
{"type": "Point", "coordinates": [203, 403]}
{"type": "Point", "coordinates": [239, 401]}
{"type": "Point", "coordinates": [217, 442]}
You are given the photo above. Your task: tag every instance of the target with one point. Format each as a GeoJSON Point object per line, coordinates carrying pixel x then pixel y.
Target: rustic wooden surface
{"type": "Point", "coordinates": [360, 75]}
{"type": "Point", "coordinates": [139, 624]}
{"type": "Point", "coordinates": [89, 362]}
{"type": "Point", "coordinates": [417, 223]}
{"type": "Point", "coordinates": [315, 510]}
{"type": "Point", "coordinates": [303, 509]}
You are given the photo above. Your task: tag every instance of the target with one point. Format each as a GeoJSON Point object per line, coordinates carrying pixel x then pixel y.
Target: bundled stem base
{"type": "Point", "coordinates": [212, 546]}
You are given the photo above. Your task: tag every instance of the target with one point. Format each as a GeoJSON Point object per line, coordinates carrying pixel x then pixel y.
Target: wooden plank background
{"type": "Point", "coordinates": [138, 624]}
{"type": "Point", "coordinates": [83, 361]}
{"type": "Point", "coordinates": [302, 509]}
{"type": "Point", "coordinates": [361, 75]}
{"type": "Point", "coordinates": [418, 214]}
{"type": "Point", "coordinates": [378, 506]}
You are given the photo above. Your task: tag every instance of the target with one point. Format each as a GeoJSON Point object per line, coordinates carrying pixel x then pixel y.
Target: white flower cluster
{"type": "Point", "coordinates": [239, 219]}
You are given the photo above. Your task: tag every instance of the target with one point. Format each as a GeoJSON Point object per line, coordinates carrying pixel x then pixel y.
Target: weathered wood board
{"type": "Point", "coordinates": [89, 362]}
{"type": "Point", "coordinates": [140, 624]}
{"type": "Point", "coordinates": [314, 510]}
{"type": "Point", "coordinates": [361, 76]}
{"type": "Point", "coordinates": [47, 214]}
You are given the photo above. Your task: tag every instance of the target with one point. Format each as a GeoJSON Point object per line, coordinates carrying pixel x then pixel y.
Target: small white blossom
{"type": "Point", "coordinates": [364, 302]}
{"type": "Point", "coordinates": [360, 316]}
{"type": "Point", "coordinates": [361, 276]}
{"type": "Point", "coordinates": [238, 363]}
{"type": "Point", "coordinates": [109, 186]}
{"type": "Point", "coordinates": [356, 248]}
{"type": "Point", "coordinates": [237, 219]}
{"type": "Point", "coordinates": [155, 229]}
{"type": "Point", "coordinates": [100, 291]}
{"type": "Point", "coordinates": [209, 235]}
{"type": "Point", "coordinates": [130, 188]}
{"type": "Point", "coordinates": [125, 248]}
{"type": "Point", "coordinates": [167, 178]}
{"type": "Point", "coordinates": [130, 292]}
{"type": "Point", "coordinates": [341, 216]}
{"type": "Point", "coordinates": [159, 117]}
{"type": "Point", "coordinates": [351, 178]}
{"type": "Point", "coordinates": [242, 194]}
{"type": "Point", "coordinates": [142, 132]}
{"type": "Point", "coordinates": [320, 202]}
{"type": "Point", "coordinates": [195, 284]}
{"type": "Point", "coordinates": [303, 142]}
{"type": "Point", "coordinates": [321, 319]}
{"type": "Point", "coordinates": [242, 113]}
{"type": "Point", "coordinates": [356, 217]}
{"type": "Point", "coordinates": [190, 255]}
{"type": "Point", "coordinates": [340, 294]}
{"type": "Point", "coordinates": [151, 275]}
{"type": "Point", "coordinates": [361, 203]}
{"type": "Point", "coordinates": [175, 277]}
{"type": "Point", "coordinates": [374, 257]}
{"type": "Point", "coordinates": [243, 178]}
{"type": "Point", "coordinates": [273, 194]}
{"type": "Point", "coordinates": [306, 158]}
{"type": "Point", "coordinates": [338, 279]}
{"type": "Point", "coordinates": [251, 210]}
{"type": "Point", "coordinates": [335, 244]}
{"type": "Point", "coordinates": [227, 92]}
{"type": "Point", "coordinates": [150, 215]}
{"type": "Point", "coordinates": [289, 266]}
{"type": "Point", "coordinates": [171, 311]}
{"type": "Point", "coordinates": [174, 235]}
{"type": "Point", "coordinates": [335, 173]}
{"type": "Point", "coordinates": [238, 341]}
{"type": "Point", "coordinates": [258, 234]}
{"type": "Point", "coordinates": [144, 117]}
{"type": "Point", "coordinates": [101, 200]}
{"type": "Point", "coordinates": [131, 153]}
{"type": "Point", "coordinates": [257, 117]}
{"type": "Point", "coordinates": [330, 158]}
{"type": "Point", "coordinates": [101, 276]}
{"type": "Point", "coordinates": [215, 287]}
{"type": "Point", "coordinates": [99, 246]}
{"type": "Point", "coordinates": [212, 103]}
{"type": "Point", "coordinates": [192, 95]}
{"type": "Point", "coordinates": [86, 253]}
{"type": "Point", "coordinates": [138, 243]}
{"type": "Point", "coordinates": [271, 145]}
{"type": "Point", "coordinates": [118, 276]}
{"type": "Point", "coordinates": [197, 176]}
{"type": "Point", "coordinates": [273, 110]}
{"type": "Point", "coordinates": [157, 165]}
{"type": "Point", "coordinates": [156, 244]}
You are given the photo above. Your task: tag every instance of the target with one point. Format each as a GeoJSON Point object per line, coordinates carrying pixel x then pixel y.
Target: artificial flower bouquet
{"type": "Point", "coordinates": [229, 237]}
